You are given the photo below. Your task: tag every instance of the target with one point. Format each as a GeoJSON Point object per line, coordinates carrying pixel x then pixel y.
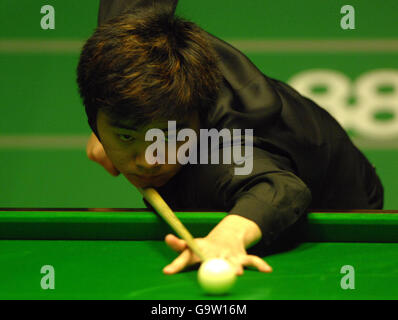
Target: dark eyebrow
{"type": "Point", "coordinates": [121, 125]}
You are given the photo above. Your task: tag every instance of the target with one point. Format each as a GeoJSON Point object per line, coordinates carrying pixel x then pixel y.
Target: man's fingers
{"type": "Point", "coordinates": [257, 262]}
{"type": "Point", "coordinates": [175, 243]}
{"type": "Point", "coordinates": [96, 152]}
{"type": "Point", "coordinates": [101, 158]}
{"type": "Point", "coordinates": [108, 165]}
{"type": "Point", "coordinates": [237, 264]}
{"type": "Point", "coordinates": [179, 263]}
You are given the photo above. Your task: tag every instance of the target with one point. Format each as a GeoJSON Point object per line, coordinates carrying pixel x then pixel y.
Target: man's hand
{"type": "Point", "coordinates": [228, 240]}
{"type": "Point", "coordinates": [95, 152]}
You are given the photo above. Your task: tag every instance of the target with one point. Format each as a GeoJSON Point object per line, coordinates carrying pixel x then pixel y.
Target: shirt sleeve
{"type": "Point", "coordinates": [272, 196]}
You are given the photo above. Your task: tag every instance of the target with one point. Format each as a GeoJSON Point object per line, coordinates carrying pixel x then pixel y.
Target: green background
{"type": "Point", "coordinates": [39, 92]}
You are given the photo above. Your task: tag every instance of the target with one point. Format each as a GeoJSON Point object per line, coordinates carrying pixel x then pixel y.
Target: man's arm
{"type": "Point", "coordinates": [272, 195]}
{"type": "Point", "coordinates": [261, 206]}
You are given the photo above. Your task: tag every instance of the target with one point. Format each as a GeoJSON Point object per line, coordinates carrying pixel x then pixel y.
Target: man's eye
{"type": "Point", "coordinates": [126, 137]}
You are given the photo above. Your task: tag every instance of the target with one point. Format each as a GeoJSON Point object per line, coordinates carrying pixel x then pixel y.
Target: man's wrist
{"type": "Point", "coordinates": [241, 228]}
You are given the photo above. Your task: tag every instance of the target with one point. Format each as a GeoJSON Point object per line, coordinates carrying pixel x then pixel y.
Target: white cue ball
{"type": "Point", "coordinates": [216, 276]}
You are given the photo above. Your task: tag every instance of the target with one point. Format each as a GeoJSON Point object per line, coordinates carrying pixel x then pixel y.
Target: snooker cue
{"type": "Point", "coordinates": [161, 207]}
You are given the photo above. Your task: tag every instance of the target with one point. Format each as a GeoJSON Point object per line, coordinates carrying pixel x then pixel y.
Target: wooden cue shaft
{"type": "Point", "coordinates": [156, 201]}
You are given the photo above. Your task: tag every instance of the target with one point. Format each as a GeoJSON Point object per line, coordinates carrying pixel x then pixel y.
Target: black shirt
{"type": "Point", "coordinates": [302, 158]}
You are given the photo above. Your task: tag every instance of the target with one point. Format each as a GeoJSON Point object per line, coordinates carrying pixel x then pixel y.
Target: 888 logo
{"type": "Point", "coordinates": [368, 105]}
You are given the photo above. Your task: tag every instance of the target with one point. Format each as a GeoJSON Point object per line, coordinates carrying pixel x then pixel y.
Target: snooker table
{"type": "Point", "coordinates": [120, 253]}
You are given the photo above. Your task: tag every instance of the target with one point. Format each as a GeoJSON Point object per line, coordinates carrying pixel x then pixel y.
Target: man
{"type": "Point", "coordinates": [146, 67]}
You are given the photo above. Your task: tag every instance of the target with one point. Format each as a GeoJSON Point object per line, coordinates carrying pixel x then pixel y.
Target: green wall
{"type": "Point", "coordinates": [39, 93]}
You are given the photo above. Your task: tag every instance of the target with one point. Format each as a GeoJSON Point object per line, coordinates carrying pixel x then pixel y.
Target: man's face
{"type": "Point", "coordinates": [126, 146]}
